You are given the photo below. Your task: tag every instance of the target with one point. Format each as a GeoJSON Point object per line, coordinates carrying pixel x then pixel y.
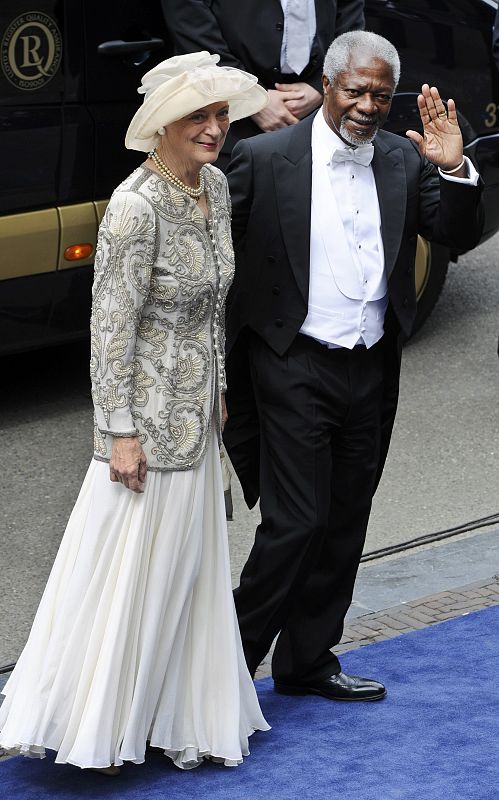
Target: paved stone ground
{"type": "Point", "coordinates": [413, 615]}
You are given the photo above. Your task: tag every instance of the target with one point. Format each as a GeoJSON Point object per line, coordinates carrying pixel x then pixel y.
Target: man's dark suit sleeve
{"type": "Point", "coordinates": [193, 27]}
{"type": "Point", "coordinates": [242, 431]}
{"type": "Point", "coordinates": [450, 213]}
{"type": "Point", "coordinates": [240, 178]}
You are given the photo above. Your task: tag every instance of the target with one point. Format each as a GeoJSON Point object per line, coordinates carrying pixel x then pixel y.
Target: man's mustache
{"type": "Point", "coordinates": [362, 118]}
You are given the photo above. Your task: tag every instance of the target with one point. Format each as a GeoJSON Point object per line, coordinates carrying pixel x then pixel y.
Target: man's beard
{"type": "Point", "coordinates": [356, 141]}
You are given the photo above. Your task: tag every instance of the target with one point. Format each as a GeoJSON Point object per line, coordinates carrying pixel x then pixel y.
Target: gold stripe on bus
{"type": "Point", "coordinates": [100, 207]}
{"type": "Point", "coordinates": [29, 243]}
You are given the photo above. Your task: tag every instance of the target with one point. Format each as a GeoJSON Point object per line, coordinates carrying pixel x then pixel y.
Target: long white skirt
{"type": "Point", "coordinates": [136, 639]}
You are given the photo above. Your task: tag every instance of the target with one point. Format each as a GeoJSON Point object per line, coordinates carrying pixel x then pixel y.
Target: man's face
{"type": "Point", "coordinates": [357, 103]}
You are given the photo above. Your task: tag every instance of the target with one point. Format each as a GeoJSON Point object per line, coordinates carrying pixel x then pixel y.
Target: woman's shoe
{"type": "Point", "coordinates": [112, 770]}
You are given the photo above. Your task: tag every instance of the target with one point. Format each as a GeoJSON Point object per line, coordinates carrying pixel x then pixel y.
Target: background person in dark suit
{"type": "Point", "coordinates": [325, 227]}
{"type": "Point", "coordinates": [249, 35]}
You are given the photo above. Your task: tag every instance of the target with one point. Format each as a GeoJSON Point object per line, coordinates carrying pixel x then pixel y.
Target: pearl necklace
{"type": "Point", "coordinates": [170, 176]}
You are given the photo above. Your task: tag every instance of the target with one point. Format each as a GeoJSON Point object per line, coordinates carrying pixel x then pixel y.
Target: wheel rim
{"type": "Point", "coordinates": [423, 265]}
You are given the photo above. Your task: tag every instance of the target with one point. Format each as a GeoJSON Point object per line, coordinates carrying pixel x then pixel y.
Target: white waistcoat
{"type": "Point", "coordinates": [347, 289]}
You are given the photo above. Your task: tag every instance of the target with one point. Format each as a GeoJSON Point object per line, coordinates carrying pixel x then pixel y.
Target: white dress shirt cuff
{"type": "Point", "coordinates": [471, 180]}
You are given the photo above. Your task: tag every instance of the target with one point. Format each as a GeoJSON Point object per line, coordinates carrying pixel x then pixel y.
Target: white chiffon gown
{"type": "Point", "coordinates": [136, 640]}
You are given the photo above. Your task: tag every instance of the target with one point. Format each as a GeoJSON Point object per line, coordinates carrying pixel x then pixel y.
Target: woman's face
{"type": "Point", "coordinates": [197, 138]}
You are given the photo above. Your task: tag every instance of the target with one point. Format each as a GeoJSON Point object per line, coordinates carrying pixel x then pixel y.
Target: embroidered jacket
{"type": "Point", "coordinates": [162, 272]}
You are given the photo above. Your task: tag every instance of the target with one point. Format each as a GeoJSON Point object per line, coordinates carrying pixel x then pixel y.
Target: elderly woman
{"type": "Point", "coordinates": [136, 639]}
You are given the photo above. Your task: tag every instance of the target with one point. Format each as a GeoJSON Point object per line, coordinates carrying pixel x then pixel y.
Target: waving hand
{"type": "Point", "coordinates": [441, 142]}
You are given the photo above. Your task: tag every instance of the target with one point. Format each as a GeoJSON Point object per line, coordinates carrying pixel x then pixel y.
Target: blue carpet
{"type": "Point", "coordinates": [436, 736]}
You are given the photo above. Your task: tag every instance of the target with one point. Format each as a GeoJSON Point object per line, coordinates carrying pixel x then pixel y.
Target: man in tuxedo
{"type": "Point", "coordinates": [326, 216]}
{"type": "Point", "coordinates": [282, 42]}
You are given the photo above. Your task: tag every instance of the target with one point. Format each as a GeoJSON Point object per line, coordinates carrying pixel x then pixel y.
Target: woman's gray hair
{"type": "Point", "coordinates": [341, 49]}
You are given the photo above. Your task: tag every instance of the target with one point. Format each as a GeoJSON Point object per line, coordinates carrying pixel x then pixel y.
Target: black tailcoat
{"type": "Point", "coordinates": [270, 180]}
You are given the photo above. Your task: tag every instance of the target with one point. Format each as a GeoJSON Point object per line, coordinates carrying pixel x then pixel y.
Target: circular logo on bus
{"type": "Point", "coordinates": [31, 50]}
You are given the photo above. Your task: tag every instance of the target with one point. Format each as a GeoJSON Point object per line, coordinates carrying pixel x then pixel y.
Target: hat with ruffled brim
{"type": "Point", "coordinates": [182, 84]}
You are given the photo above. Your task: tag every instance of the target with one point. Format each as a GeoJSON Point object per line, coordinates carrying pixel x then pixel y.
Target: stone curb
{"type": "Point", "coordinates": [413, 615]}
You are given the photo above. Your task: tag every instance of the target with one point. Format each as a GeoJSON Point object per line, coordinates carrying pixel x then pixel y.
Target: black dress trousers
{"type": "Point", "coordinates": [320, 420]}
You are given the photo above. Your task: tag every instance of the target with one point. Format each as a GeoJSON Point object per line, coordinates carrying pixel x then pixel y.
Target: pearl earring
{"type": "Point", "coordinates": [161, 130]}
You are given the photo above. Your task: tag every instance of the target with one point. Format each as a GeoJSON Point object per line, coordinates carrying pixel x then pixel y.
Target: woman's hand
{"type": "Point", "coordinates": [223, 410]}
{"type": "Point", "coordinates": [128, 464]}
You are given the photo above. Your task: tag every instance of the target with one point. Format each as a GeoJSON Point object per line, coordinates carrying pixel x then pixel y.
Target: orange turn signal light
{"type": "Point", "coordinates": [78, 251]}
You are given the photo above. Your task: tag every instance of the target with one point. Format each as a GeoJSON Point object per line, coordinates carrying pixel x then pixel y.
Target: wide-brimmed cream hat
{"type": "Point", "coordinates": [182, 84]}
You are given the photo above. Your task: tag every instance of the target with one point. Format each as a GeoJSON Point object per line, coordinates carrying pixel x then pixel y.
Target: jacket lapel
{"type": "Point", "coordinates": [292, 173]}
{"type": "Point", "coordinates": [391, 185]}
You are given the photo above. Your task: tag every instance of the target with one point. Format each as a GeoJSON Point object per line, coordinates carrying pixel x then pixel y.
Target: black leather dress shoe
{"type": "Point", "coordinates": [336, 687]}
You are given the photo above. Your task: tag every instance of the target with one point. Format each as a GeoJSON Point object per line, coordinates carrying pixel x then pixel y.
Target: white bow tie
{"type": "Point", "coordinates": [361, 155]}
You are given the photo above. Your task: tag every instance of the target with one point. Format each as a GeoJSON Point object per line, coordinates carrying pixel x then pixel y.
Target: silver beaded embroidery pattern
{"type": "Point", "coordinates": [162, 274]}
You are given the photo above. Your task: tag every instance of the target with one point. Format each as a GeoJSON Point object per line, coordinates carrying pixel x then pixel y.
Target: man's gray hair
{"type": "Point", "coordinates": [341, 49]}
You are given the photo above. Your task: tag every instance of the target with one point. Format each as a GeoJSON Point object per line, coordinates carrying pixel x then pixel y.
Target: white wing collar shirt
{"type": "Point", "coordinates": [348, 288]}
